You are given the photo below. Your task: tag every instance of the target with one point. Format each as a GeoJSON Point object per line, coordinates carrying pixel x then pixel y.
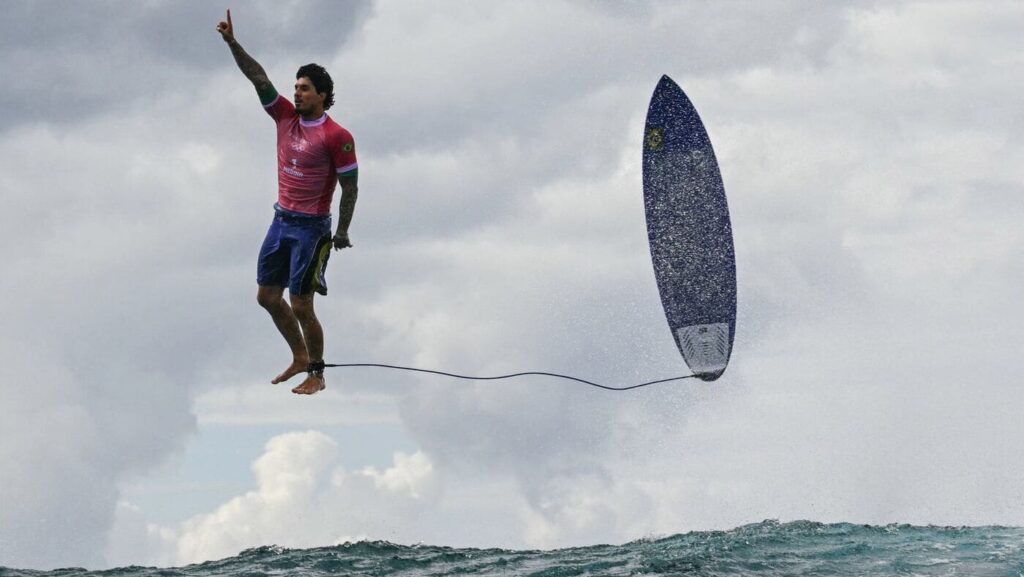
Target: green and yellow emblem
{"type": "Point", "coordinates": [347, 147]}
{"type": "Point", "coordinates": [655, 138]}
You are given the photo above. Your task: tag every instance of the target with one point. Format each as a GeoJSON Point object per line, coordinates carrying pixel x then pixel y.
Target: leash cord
{"type": "Point", "coordinates": [530, 373]}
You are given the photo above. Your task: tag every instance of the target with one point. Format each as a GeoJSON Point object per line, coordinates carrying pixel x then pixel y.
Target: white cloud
{"type": "Point", "coordinates": [303, 499]}
{"type": "Point", "coordinates": [408, 476]}
{"type": "Point", "coordinates": [288, 477]}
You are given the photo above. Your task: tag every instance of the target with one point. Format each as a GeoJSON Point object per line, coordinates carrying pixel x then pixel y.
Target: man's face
{"type": "Point", "coordinates": [306, 97]}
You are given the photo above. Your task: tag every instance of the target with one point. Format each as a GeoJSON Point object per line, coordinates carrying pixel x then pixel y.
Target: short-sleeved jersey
{"type": "Point", "coordinates": [310, 156]}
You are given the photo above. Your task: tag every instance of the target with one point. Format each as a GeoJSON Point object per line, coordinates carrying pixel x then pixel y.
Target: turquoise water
{"type": "Point", "coordinates": [768, 548]}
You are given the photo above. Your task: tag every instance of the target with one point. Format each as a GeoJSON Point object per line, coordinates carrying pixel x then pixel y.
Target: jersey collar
{"type": "Point", "coordinates": [317, 122]}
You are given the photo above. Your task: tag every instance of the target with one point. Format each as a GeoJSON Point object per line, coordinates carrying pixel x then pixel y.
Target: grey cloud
{"type": "Point", "coordinates": [524, 65]}
{"type": "Point", "coordinates": [66, 61]}
{"type": "Point", "coordinates": [68, 435]}
{"type": "Point", "coordinates": [113, 326]}
{"type": "Point", "coordinates": [474, 114]}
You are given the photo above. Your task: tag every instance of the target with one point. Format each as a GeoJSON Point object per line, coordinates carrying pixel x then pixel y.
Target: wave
{"type": "Point", "coordinates": [768, 548]}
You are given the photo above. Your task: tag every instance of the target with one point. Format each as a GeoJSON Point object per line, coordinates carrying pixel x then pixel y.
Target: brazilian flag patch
{"type": "Point", "coordinates": [655, 138]}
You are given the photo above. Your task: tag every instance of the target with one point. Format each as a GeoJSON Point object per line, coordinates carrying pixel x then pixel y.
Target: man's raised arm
{"type": "Point", "coordinates": [252, 69]}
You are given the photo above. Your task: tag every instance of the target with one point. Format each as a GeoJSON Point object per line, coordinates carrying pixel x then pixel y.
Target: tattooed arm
{"type": "Point", "coordinates": [347, 206]}
{"type": "Point", "coordinates": [252, 69]}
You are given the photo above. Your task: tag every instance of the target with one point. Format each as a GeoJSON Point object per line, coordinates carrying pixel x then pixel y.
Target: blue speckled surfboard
{"type": "Point", "coordinates": [689, 232]}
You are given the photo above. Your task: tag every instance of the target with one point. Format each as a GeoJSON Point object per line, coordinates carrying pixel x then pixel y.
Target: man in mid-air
{"type": "Point", "coordinates": [313, 152]}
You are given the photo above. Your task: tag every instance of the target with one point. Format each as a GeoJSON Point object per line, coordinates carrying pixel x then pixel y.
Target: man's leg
{"type": "Point", "coordinates": [272, 299]}
{"type": "Point", "coordinates": [302, 305]}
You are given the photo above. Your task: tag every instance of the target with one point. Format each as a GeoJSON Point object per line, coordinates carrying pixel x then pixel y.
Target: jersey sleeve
{"type": "Point", "coordinates": [344, 153]}
{"type": "Point", "coordinates": [279, 108]}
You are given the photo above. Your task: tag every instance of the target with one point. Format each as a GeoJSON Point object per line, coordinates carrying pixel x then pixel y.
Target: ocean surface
{"type": "Point", "coordinates": [767, 548]}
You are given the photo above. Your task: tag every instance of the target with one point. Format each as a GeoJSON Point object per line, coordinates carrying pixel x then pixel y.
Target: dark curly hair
{"type": "Point", "coordinates": [321, 81]}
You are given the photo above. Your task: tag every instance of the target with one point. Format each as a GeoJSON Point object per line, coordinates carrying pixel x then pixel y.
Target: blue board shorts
{"type": "Point", "coordinates": [295, 252]}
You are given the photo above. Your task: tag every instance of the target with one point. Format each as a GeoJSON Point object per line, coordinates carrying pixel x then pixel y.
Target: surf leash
{"type": "Point", "coordinates": [509, 376]}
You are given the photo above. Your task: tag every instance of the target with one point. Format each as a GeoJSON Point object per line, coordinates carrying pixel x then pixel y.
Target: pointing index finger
{"type": "Point", "coordinates": [229, 18]}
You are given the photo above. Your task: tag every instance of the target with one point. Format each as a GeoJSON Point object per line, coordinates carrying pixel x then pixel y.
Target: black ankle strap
{"type": "Point", "coordinates": [316, 368]}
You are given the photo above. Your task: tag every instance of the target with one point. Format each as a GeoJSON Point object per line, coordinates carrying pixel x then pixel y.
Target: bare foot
{"type": "Point", "coordinates": [312, 385]}
{"type": "Point", "coordinates": [295, 368]}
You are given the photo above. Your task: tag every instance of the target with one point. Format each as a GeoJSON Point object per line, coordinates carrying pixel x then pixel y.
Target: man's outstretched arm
{"type": "Point", "coordinates": [247, 64]}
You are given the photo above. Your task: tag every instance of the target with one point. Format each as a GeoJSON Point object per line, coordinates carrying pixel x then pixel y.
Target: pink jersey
{"type": "Point", "coordinates": [310, 156]}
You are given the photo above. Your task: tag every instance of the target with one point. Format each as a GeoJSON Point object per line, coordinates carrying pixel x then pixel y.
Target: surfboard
{"type": "Point", "coordinates": [689, 231]}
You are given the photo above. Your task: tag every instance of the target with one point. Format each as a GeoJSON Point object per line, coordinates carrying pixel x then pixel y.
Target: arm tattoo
{"type": "Point", "coordinates": [252, 69]}
{"type": "Point", "coordinates": [347, 206]}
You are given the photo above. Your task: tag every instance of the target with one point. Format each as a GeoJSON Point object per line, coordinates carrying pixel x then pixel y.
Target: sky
{"type": "Point", "coordinates": [873, 158]}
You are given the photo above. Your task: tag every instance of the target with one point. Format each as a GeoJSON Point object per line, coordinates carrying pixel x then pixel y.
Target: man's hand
{"type": "Point", "coordinates": [341, 241]}
{"type": "Point", "coordinates": [227, 31]}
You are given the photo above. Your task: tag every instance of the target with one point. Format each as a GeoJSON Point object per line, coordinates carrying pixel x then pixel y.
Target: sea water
{"type": "Point", "coordinates": [767, 548]}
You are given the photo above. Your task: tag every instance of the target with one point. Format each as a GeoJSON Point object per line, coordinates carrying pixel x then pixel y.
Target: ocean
{"type": "Point", "coordinates": [768, 548]}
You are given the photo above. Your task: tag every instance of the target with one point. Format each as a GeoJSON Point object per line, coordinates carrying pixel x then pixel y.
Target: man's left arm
{"type": "Point", "coordinates": [349, 194]}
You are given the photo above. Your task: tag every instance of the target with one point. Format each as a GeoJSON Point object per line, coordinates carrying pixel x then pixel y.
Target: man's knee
{"type": "Point", "coordinates": [269, 297]}
{"type": "Point", "coordinates": [302, 305]}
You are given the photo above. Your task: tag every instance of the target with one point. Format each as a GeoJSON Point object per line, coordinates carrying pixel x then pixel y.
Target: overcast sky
{"type": "Point", "coordinates": [874, 162]}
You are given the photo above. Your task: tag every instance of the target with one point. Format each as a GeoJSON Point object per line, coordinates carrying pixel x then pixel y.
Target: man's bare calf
{"type": "Point", "coordinates": [272, 299]}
